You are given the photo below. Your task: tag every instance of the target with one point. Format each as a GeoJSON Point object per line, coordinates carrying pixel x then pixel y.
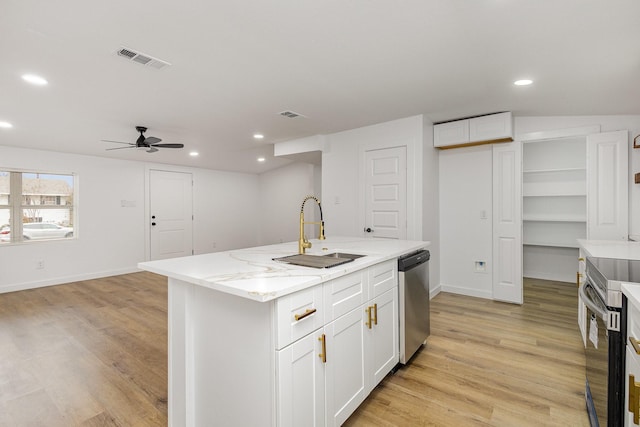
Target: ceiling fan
{"type": "Point", "coordinates": [150, 144]}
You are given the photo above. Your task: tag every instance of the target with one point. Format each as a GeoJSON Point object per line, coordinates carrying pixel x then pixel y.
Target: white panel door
{"type": "Point", "coordinates": [607, 190]}
{"type": "Point", "coordinates": [301, 383]}
{"type": "Point", "coordinates": [170, 209]}
{"type": "Point", "coordinates": [507, 223]}
{"type": "Point", "coordinates": [386, 193]}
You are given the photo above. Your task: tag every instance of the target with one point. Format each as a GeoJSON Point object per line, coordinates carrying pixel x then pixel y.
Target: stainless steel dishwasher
{"type": "Point", "coordinates": [413, 302]}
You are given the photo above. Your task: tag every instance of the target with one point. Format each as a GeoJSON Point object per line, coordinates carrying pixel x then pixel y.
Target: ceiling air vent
{"type": "Point", "coordinates": [142, 58]}
{"type": "Point", "coordinates": [290, 114]}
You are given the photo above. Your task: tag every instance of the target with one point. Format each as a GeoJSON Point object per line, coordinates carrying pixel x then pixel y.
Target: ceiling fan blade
{"type": "Point", "coordinates": [152, 150]}
{"type": "Point", "coordinates": [120, 148]}
{"type": "Point", "coordinates": [117, 142]}
{"type": "Point", "coordinates": [152, 140]}
{"type": "Point", "coordinates": [168, 145]}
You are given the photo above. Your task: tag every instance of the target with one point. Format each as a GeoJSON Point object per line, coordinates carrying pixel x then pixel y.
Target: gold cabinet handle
{"type": "Point", "coordinates": [634, 402]}
{"type": "Point", "coordinates": [375, 314]}
{"type": "Point", "coordinates": [578, 277]}
{"type": "Point", "coordinates": [635, 344]}
{"type": "Point", "coordinates": [323, 355]}
{"type": "Point", "coordinates": [368, 310]}
{"type": "Point", "coordinates": [308, 312]}
{"type": "Point", "coordinates": [580, 259]}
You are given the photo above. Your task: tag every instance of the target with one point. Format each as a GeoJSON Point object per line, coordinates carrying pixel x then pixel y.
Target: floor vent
{"type": "Point", "coordinates": [290, 114]}
{"type": "Point", "coordinates": [142, 58]}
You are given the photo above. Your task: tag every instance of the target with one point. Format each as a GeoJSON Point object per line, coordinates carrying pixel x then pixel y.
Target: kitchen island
{"type": "Point", "coordinates": [253, 341]}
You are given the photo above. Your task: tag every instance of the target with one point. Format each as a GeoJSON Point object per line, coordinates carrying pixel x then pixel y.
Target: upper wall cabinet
{"type": "Point", "coordinates": [475, 131]}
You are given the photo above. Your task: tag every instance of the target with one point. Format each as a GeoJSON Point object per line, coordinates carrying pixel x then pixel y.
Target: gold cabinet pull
{"type": "Point", "coordinates": [375, 314]}
{"type": "Point", "coordinates": [635, 344]}
{"type": "Point", "coordinates": [308, 312]}
{"type": "Point", "coordinates": [634, 402]}
{"type": "Point", "coordinates": [578, 277]}
{"type": "Point", "coordinates": [368, 310]}
{"type": "Point", "coordinates": [580, 259]}
{"type": "Point", "coordinates": [323, 355]}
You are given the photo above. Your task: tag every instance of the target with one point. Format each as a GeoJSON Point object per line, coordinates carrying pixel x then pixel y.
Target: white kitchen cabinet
{"type": "Point", "coordinates": [301, 383]}
{"type": "Point", "coordinates": [346, 358]}
{"type": "Point", "coordinates": [383, 336]}
{"type": "Point", "coordinates": [346, 371]}
{"type": "Point", "coordinates": [632, 362]}
{"type": "Point", "coordinates": [474, 131]}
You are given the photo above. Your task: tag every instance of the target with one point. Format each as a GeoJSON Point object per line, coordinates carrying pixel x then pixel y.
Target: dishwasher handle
{"type": "Point", "coordinates": [411, 261]}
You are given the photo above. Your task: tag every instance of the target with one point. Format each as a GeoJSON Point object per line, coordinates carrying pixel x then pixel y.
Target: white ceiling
{"type": "Point", "coordinates": [236, 64]}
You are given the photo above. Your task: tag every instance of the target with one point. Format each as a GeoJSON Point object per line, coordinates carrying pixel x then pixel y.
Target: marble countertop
{"type": "Point", "coordinates": [632, 292]}
{"type": "Point", "coordinates": [618, 249]}
{"type": "Point", "coordinates": [251, 273]}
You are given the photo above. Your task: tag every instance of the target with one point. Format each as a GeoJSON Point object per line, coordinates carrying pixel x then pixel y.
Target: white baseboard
{"type": "Point", "coordinates": [65, 279]}
{"type": "Point", "coordinates": [434, 291]}
{"type": "Point", "coordinates": [470, 292]}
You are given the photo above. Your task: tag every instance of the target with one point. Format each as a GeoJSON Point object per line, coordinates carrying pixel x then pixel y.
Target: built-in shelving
{"type": "Point", "coordinates": [554, 190]}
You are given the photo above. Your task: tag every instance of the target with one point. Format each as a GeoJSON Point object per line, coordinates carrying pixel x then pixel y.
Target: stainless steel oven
{"type": "Point", "coordinates": [606, 335]}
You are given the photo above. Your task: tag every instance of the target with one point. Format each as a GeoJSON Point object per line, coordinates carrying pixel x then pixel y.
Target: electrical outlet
{"type": "Point", "coordinates": [40, 264]}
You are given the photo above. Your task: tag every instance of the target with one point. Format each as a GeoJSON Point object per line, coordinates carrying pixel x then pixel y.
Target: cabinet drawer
{"type": "Point", "coordinates": [298, 314]}
{"type": "Point", "coordinates": [382, 277]}
{"type": "Point", "coordinates": [345, 293]}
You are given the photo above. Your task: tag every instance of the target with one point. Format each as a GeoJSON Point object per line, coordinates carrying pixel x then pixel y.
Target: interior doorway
{"type": "Point", "coordinates": [170, 214]}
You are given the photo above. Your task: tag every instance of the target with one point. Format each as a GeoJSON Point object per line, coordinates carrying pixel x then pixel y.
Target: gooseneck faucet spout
{"type": "Point", "coordinates": [303, 243]}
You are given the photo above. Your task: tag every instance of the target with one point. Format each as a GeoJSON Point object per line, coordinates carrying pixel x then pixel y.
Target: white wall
{"type": "Point", "coordinates": [281, 194]}
{"type": "Point", "coordinates": [465, 176]}
{"type": "Point", "coordinates": [110, 238]}
{"type": "Point", "coordinates": [342, 175]}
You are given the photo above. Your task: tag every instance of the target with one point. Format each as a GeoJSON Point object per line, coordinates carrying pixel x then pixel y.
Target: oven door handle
{"type": "Point", "coordinates": [589, 303]}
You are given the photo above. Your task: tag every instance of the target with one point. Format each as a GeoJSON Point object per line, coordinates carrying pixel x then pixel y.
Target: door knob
{"type": "Point", "coordinates": [368, 230]}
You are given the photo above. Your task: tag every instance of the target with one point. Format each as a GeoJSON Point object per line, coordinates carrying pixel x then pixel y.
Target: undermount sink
{"type": "Point", "coordinates": [319, 261]}
{"type": "Point", "coordinates": [343, 255]}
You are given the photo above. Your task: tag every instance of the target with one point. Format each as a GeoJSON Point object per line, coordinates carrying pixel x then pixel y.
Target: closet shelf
{"type": "Point", "coordinates": [554, 218]}
{"type": "Point", "coordinates": [552, 170]}
{"type": "Point", "coordinates": [553, 245]}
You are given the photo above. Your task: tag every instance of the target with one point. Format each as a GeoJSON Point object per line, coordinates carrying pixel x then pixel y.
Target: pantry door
{"type": "Point", "coordinates": [386, 193]}
{"type": "Point", "coordinates": [170, 214]}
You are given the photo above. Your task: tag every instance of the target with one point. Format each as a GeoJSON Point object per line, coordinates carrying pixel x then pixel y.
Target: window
{"type": "Point", "coordinates": [36, 206]}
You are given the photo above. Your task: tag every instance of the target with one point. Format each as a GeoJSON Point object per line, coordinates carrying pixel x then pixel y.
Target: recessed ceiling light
{"type": "Point", "coordinates": [34, 80]}
{"type": "Point", "coordinates": [523, 82]}
{"type": "Point", "coordinates": [5, 125]}
{"type": "Point", "coordinates": [194, 154]}
{"type": "Point", "coordinates": [261, 159]}
{"type": "Point", "coordinates": [258, 136]}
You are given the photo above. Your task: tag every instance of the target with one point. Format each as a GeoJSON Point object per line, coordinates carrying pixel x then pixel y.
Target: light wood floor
{"type": "Point", "coordinates": [94, 353]}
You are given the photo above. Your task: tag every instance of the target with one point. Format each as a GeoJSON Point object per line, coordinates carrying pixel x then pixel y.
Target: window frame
{"type": "Point", "coordinates": [16, 210]}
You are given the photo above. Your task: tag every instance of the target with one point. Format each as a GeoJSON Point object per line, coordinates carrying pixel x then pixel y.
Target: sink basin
{"type": "Point", "coordinates": [343, 255]}
{"type": "Point", "coordinates": [319, 261]}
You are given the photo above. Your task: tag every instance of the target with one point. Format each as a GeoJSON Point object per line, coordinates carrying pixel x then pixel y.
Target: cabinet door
{"type": "Point", "coordinates": [300, 394]}
{"type": "Point", "coordinates": [452, 133]}
{"type": "Point", "coordinates": [346, 378]}
{"type": "Point", "coordinates": [607, 197]}
{"type": "Point", "coordinates": [632, 369]}
{"type": "Point", "coordinates": [383, 336]}
{"type": "Point", "coordinates": [494, 127]}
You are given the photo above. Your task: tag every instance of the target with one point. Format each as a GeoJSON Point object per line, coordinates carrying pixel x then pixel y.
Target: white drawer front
{"type": "Point", "coordinates": [383, 276]}
{"type": "Point", "coordinates": [344, 294]}
{"type": "Point", "coordinates": [298, 314]}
